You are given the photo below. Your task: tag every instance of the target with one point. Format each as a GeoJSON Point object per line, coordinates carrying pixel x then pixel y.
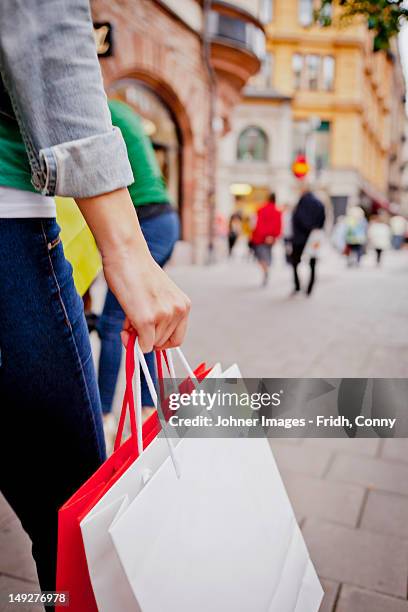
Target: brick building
{"type": "Point", "coordinates": [181, 64]}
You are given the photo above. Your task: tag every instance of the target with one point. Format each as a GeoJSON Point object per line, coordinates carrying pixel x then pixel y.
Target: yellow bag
{"type": "Point", "coordinates": [79, 245]}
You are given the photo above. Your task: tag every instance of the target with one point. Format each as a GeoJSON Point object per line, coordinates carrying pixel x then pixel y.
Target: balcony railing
{"type": "Point", "coordinates": [237, 32]}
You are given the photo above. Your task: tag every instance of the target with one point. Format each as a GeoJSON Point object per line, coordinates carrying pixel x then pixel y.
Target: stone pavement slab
{"type": "Point", "coordinates": [386, 513]}
{"type": "Point", "coordinates": [300, 458]}
{"type": "Point", "coordinates": [332, 501]}
{"type": "Point", "coordinates": [371, 473]}
{"type": "Point", "coordinates": [358, 600]}
{"type": "Point", "coordinates": [354, 446]}
{"type": "Point", "coordinates": [358, 557]}
{"type": "Point", "coordinates": [396, 449]}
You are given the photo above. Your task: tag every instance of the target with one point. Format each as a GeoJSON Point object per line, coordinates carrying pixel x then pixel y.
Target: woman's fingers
{"type": "Point", "coordinates": [146, 337]}
{"type": "Point", "coordinates": [124, 334]}
{"type": "Point", "coordinates": [169, 325]}
{"type": "Point", "coordinates": [177, 337]}
{"type": "Point", "coordinates": [166, 330]}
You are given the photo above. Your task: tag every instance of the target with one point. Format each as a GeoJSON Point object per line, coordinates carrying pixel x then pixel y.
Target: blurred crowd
{"type": "Point", "coordinates": [302, 230]}
{"type": "Point", "coordinates": [355, 233]}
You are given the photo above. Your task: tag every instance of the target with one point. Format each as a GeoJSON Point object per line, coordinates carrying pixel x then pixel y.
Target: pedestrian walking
{"type": "Point", "coordinates": [234, 231]}
{"type": "Point", "coordinates": [160, 227]}
{"type": "Point", "coordinates": [267, 229]}
{"type": "Point", "coordinates": [309, 215]}
{"type": "Point", "coordinates": [356, 235]}
{"type": "Point", "coordinates": [399, 228]}
{"type": "Point", "coordinates": [247, 228]}
{"type": "Point", "coordinates": [379, 236]}
{"type": "Point", "coordinates": [57, 138]}
{"type": "Point", "coordinates": [287, 231]}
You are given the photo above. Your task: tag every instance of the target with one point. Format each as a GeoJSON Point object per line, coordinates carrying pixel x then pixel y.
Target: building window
{"type": "Point", "coordinates": [266, 11]}
{"type": "Point", "coordinates": [312, 138]}
{"type": "Point", "coordinates": [300, 134]}
{"type": "Point", "coordinates": [327, 12]}
{"type": "Point", "coordinates": [232, 29]}
{"type": "Point", "coordinates": [264, 80]}
{"type": "Point", "coordinates": [252, 145]}
{"type": "Point", "coordinates": [237, 31]}
{"type": "Point", "coordinates": [306, 12]}
{"type": "Point", "coordinates": [328, 73]}
{"type": "Point", "coordinates": [312, 72]}
{"type": "Point", "coordinates": [322, 145]}
{"type": "Point", "coordinates": [297, 66]}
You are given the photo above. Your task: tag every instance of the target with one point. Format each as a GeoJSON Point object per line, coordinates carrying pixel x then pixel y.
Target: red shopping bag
{"type": "Point", "coordinates": [72, 569]}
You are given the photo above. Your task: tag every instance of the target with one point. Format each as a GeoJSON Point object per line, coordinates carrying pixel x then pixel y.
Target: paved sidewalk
{"type": "Point", "coordinates": [355, 323]}
{"type": "Point", "coordinates": [350, 496]}
{"type": "Point", "coordinates": [351, 499]}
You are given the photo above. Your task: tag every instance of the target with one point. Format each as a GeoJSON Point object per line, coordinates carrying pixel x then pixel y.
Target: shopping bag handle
{"type": "Point", "coordinates": [141, 362]}
{"type": "Point", "coordinates": [128, 403]}
{"type": "Point", "coordinates": [168, 358]}
{"type": "Point", "coordinates": [138, 433]}
{"type": "Point", "coordinates": [134, 361]}
{"type": "Point", "coordinates": [170, 364]}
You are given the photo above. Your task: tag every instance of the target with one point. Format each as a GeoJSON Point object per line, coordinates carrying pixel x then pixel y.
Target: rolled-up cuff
{"type": "Point", "coordinates": [86, 167]}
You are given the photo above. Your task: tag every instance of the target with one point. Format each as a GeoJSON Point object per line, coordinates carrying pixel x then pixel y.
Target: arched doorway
{"type": "Point", "coordinates": [161, 127]}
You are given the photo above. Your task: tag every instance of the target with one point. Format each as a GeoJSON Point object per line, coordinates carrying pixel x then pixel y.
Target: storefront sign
{"type": "Point", "coordinates": [103, 32]}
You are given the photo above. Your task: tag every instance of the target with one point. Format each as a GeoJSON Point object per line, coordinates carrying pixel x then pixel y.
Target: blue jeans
{"type": "Point", "coordinates": [52, 436]}
{"type": "Point", "coordinates": [161, 233]}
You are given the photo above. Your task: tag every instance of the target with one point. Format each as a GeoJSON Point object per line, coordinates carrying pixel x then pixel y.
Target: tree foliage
{"type": "Point", "coordinates": [383, 17]}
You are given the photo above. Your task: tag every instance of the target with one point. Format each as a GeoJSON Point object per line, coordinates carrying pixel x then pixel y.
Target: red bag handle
{"type": "Point", "coordinates": [128, 398]}
{"type": "Point", "coordinates": [152, 426]}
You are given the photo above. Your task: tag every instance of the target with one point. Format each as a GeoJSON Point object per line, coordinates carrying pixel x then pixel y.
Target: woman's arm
{"type": "Point", "coordinates": [155, 307]}
{"type": "Point", "coordinates": [50, 69]}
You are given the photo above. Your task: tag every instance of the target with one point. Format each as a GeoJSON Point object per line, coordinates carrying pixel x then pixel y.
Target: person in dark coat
{"type": "Point", "coordinates": [308, 215]}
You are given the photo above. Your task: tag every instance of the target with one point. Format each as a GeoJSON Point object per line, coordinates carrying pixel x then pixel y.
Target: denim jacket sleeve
{"type": "Point", "coordinates": [51, 72]}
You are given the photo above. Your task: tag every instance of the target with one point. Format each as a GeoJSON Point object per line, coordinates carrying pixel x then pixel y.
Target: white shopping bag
{"type": "Point", "coordinates": [219, 536]}
{"type": "Point", "coordinates": [315, 244]}
{"type": "Point", "coordinates": [109, 582]}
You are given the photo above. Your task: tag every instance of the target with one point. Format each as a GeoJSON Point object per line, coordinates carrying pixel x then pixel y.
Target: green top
{"type": "Point", "coordinates": [15, 169]}
{"type": "Point", "coordinates": [149, 186]}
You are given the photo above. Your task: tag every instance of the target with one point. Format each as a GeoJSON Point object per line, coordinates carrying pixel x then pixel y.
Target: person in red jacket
{"type": "Point", "coordinates": [267, 229]}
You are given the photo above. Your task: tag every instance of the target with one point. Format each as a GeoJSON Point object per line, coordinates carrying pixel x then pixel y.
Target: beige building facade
{"type": "Point", "coordinates": [324, 93]}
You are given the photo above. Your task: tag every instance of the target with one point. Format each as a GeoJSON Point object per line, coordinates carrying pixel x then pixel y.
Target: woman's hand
{"type": "Point", "coordinates": [154, 306]}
